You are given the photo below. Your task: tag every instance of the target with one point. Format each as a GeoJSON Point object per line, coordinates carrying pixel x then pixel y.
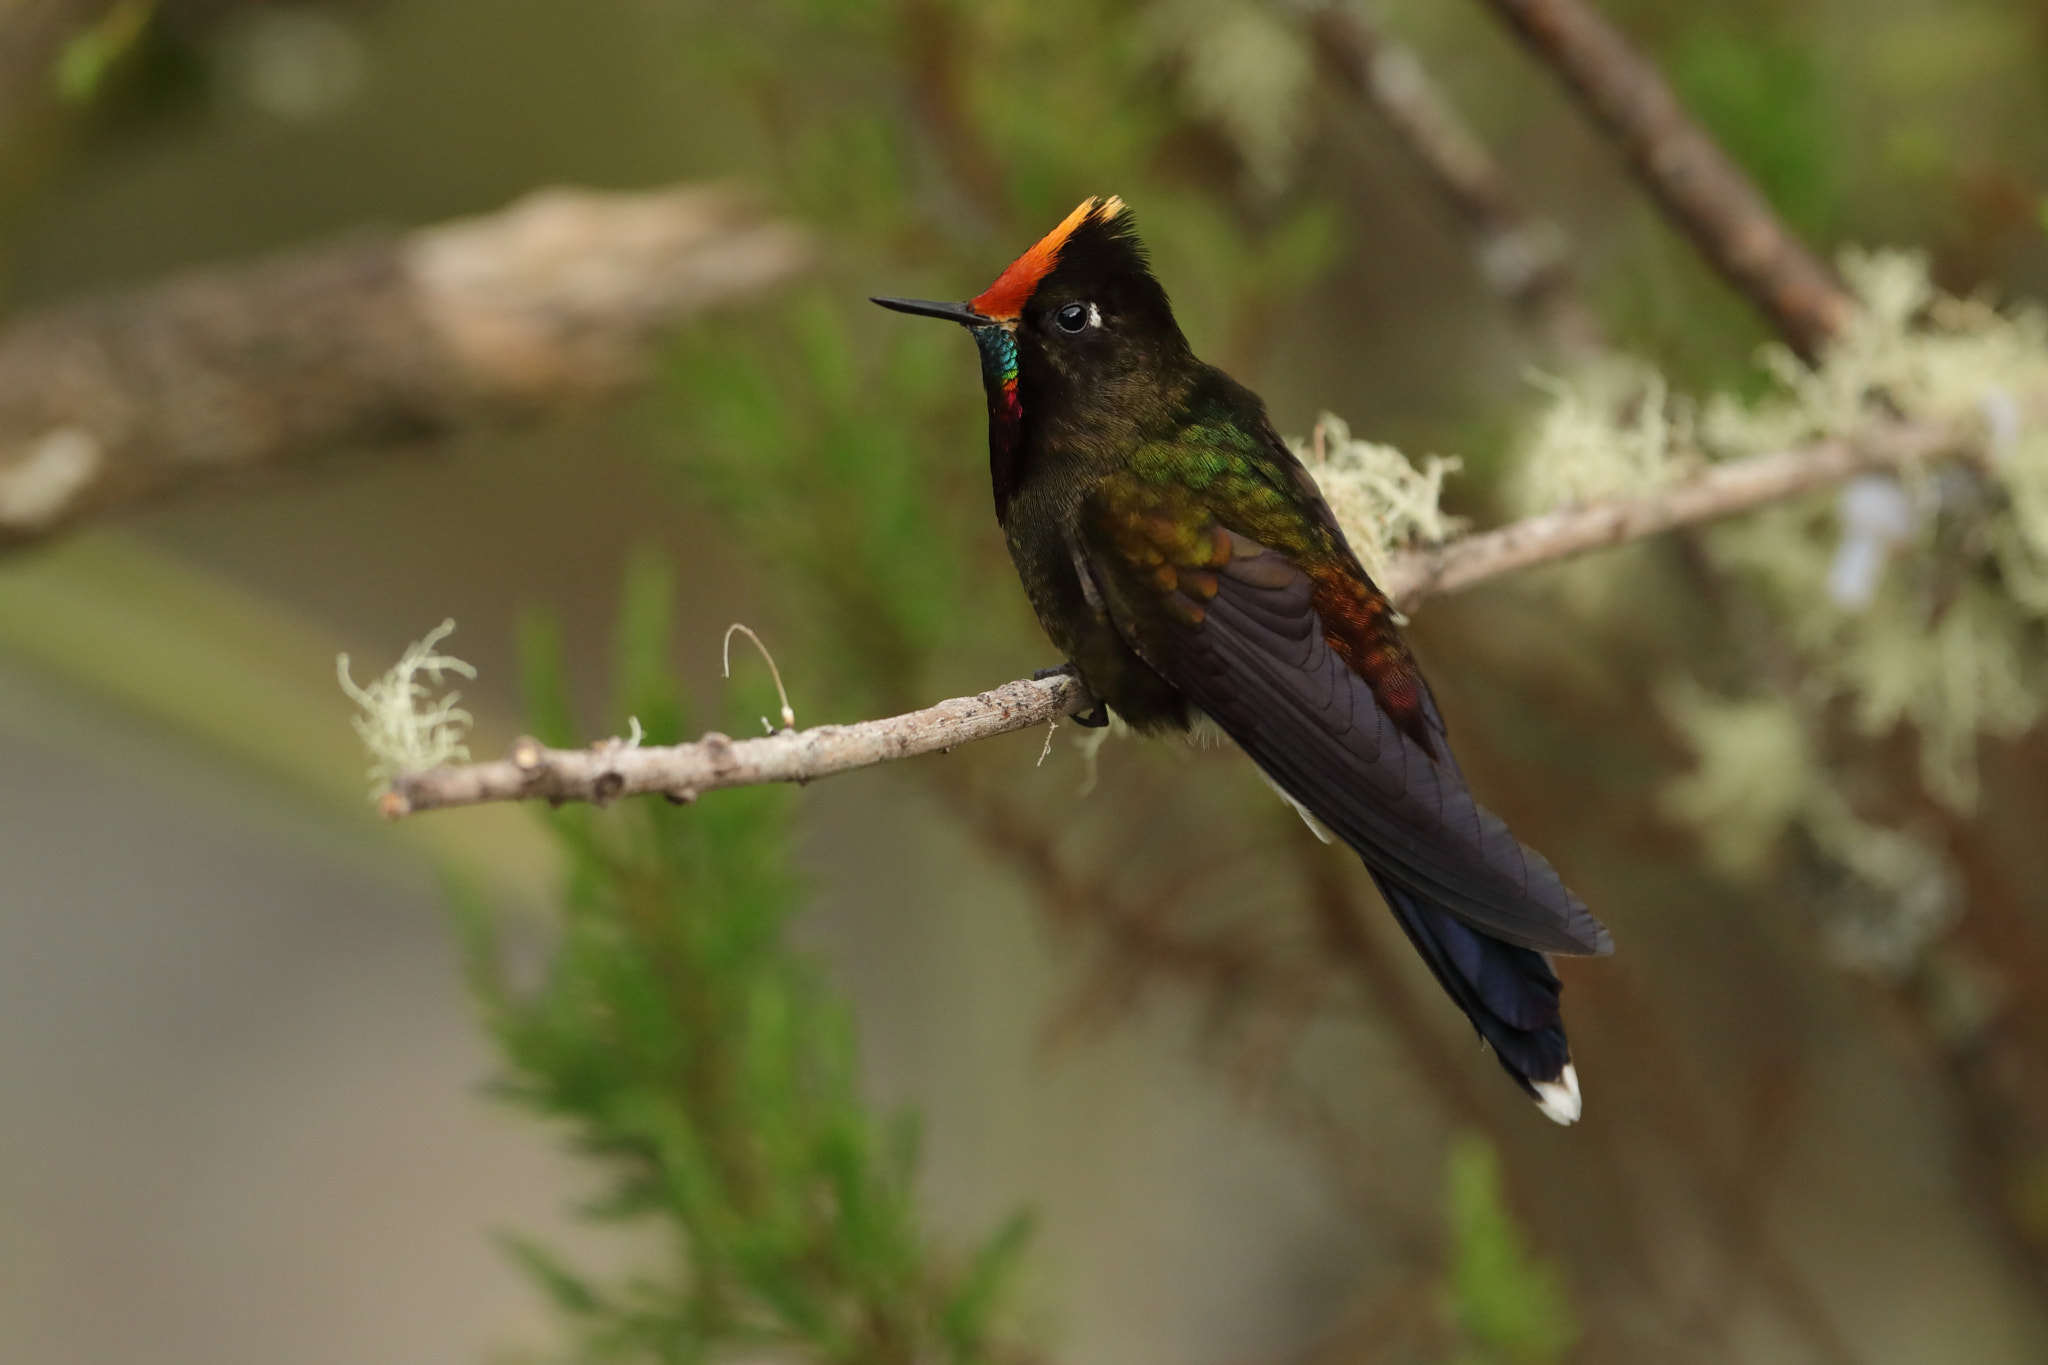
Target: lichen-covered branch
{"type": "Point", "coordinates": [683, 771]}
{"type": "Point", "coordinates": [375, 341]}
{"type": "Point", "coordinates": [1720, 491]}
{"type": "Point", "coordinates": [1699, 188]}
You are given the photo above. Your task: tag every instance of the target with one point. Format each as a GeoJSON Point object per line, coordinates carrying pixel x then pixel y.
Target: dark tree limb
{"type": "Point", "coordinates": [1699, 188]}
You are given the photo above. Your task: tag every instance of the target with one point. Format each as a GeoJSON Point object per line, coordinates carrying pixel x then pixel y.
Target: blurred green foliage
{"type": "Point", "coordinates": [89, 59]}
{"type": "Point", "coordinates": [707, 1069]}
{"type": "Point", "coordinates": [1760, 93]}
{"type": "Point", "coordinates": [1509, 1305]}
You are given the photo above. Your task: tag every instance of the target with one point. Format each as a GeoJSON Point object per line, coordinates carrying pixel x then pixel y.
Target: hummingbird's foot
{"type": "Point", "coordinates": [1096, 716]}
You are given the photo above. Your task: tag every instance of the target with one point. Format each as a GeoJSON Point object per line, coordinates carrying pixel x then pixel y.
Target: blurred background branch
{"type": "Point", "coordinates": [1704, 192]}
{"type": "Point", "coordinates": [1521, 254]}
{"type": "Point", "coordinates": [554, 302]}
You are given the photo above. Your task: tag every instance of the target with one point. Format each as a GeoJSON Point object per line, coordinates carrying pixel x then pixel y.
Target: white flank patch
{"type": "Point", "coordinates": [1559, 1099]}
{"type": "Point", "coordinates": [1204, 731]}
{"type": "Point", "coordinates": [40, 486]}
{"type": "Point", "coordinates": [1308, 817]}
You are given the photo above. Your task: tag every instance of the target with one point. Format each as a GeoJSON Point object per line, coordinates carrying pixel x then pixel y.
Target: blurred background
{"type": "Point", "coordinates": [243, 1102]}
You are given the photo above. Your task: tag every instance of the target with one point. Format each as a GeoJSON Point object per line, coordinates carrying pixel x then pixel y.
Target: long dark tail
{"type": "Point", "coordinates": [1510, 994]}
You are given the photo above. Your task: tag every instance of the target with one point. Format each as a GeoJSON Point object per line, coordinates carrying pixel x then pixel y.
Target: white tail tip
{"type": "Point", "coordinates": [1559, 1099]}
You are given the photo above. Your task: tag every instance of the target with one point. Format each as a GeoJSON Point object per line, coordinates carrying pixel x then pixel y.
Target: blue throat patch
{"type": "Point", "coordinates": [998, 357]}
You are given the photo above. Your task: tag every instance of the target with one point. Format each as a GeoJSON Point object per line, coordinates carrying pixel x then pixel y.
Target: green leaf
{"type": "Point", "coordinates": [981, 1290]}
{"type": "Point", "coordinates": [568, 1291]}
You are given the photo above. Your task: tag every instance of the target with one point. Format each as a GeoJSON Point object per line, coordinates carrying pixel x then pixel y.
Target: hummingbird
{"type": "Point", "coordinates": [1188, 567]}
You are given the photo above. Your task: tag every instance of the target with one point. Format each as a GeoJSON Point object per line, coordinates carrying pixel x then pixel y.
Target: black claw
{"type": "Point", "coordinates": [1096, 716]}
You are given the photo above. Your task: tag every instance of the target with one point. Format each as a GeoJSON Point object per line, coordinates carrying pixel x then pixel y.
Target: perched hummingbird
{"type": "Point", "coordinates": [1187, 565]}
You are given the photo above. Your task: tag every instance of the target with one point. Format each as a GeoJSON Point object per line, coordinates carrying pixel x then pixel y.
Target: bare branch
{"type": "Point", "coordinates": [683, 771]}
{"type": "Point", "coordinates": [555, 301]}
{"type": "Point", "coordinates": [1685, 170]}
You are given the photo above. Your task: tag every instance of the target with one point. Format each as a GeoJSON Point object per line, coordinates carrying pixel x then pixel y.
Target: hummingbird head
{"type": "Point", "coordinates": [1076, 326]}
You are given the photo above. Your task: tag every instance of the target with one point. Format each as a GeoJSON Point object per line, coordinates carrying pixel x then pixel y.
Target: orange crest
{"type": "Point", "coordinates": [1005, 299]}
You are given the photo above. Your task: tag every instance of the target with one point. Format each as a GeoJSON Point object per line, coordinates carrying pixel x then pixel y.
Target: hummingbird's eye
{"type": "Point", "coordinates": [1077, 317]}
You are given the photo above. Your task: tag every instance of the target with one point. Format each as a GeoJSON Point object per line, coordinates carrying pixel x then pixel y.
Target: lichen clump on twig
{"type": "Point", "coordinates": [1917, 598]}
{"type": "Point", "coordinates": [1907, 349]}
{"type": "Point", "coordinates": [1613, 430]}
{"type": "Point", "coordinates": [1381, 499]}
{"type": "Point", "coordinates": [1941, 624]}
{"type": "Point", "coordinates": [404, 725]}
{"type": "Point", "coordinates": [1758, 779]}
{"type": "Point", "coordinates": [1245, 70]}
{"type": "Point", "coordinates": [1951, 639]}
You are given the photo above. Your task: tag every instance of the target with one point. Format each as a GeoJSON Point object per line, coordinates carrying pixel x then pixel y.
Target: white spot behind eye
{"type": "Point", "coordinates": [1073, 320]}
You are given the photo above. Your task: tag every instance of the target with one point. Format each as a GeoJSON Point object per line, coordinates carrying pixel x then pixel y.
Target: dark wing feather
{"type": "Point", "coordinates": [1238, 633]}
{"type": "Point", "coordinates": [1510, 994]}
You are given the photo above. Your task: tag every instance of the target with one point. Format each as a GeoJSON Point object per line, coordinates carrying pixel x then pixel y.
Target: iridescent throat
{"type": "Point", "coordinates": [998, 346]}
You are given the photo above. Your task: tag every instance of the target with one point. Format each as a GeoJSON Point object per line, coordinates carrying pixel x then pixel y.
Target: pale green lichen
{"type": "Point", "coordinates": [1944, 628]}
{"type": "Point", "coordinates": [1950, 637]}
{"type": "Point", "coordinates": [1245, 69]}
{"type": "Point", "coordinates": [1951, 643]}
{"type": "Point", "coordinates": [1752, 778]}
{"type": "Point", "coordinates": [1965, 668]}
{"type": "Point", "coordinates": [1613, 429]}
{"type": "Point", "coordinates": [1966, 674]}
{"type": "Point", "coordinates": [1907, 348]}
{"type": "Point", "coordinates": [404, 725]}
{"type": "Point", "coordinates": [1383, 501]}
{"type": "Point", "coordinates": [1757, 779]}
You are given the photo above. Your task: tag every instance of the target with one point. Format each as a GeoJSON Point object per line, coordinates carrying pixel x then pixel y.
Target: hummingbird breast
{"type": "Point", "coordinates": [1040, 532]}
